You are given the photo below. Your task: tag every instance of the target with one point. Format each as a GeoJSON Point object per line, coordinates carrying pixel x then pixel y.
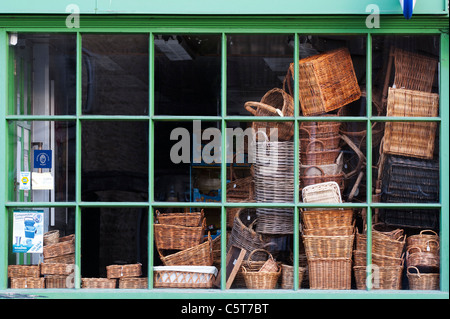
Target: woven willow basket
{"type": "Point", "coordinates": [327, 82]}
{"type": "Point", "coordinates": [119, 271]}
{"type": "Point", "coordinates": [178, 237]}
{"type": "Point", "coordinates": [384, 277]}
{"type": "Point", "coordinates": [330, 273]}
{"type": "Point", "coordinates": [57, 269]}
{"type": "Point", "coordinates": [98, 283]}
{"type": "Point", "coordinates": [27, 283]}
{"type": "Point", "coordinates": [181, 219]}
{"type": "Point", "coordinates": [51, 237]}
{"type": "Point", "coordinates": [199, 255]}
{"type": "Point", "coordinates": [133, 283]}
{"type": "Point", "coordinates": [427, 240]}
{"type": "Point", "coordinates": [18, 271]}
{"type": "Point", "coordinates": [422, 281]}
{"type": "Point", "coordinates": [65, 246]}
{"type": "Point", "coordinates": [287, 276]}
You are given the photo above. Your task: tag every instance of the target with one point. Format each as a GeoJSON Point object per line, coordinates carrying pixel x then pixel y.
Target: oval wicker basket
{"type": "Point", "coordinates": [199, 255]}
{"type": "Point", "coordinates": [326, 143]}
{"type": "Point", "coordinates": [418, 258]}
{"type": "Point", "coordinates": [427, 240]}
{"type": "Point", "coordinates": [320, 156]}
{"type": "Point", "coordinates": [319, 130]}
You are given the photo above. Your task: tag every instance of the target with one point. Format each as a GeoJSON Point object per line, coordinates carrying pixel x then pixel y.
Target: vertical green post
{"type": "Point", "coordinates": [223, 166]}
{"type": "Point", "coordinates": [443, 158]}
{"type": "Point", "coordinates": [296, 238]}
{"type": "Point", "coordinates": [151, 81]}
{"type": "Point", "coordinates": [3, 161]}
{"type": "Point", "coordinates": [369, 159]}
{"type": "Point", "coordinates": [78, 152]}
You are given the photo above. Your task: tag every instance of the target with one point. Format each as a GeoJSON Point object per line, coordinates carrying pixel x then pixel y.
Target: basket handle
{"type": "Point", "coordinates": [315, 141]}
{"type": "Point", "coordinates": [432, 241]}
{"type": "Point", "coordinates": [428, 230]}
{"type": "Point", "coordinates": [413, 247]}
{"type": "Point", "coordinates": [249, 107]}
{"type": "Point", "coordinates": [303, 129]}
{"type": "Point", "coordinates": [313, 166]}
{"type": "Point", "coordinates": [361, 157]}
{"type": "Point", "coordinates": [256, 250]}
{"type": "Point", "coordinates": [414, 267]}
{"type": "Point", "coordinates": [287, 79]}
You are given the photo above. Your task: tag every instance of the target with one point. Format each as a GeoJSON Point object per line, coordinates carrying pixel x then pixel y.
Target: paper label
{"type": "Point", "coordinates": [25, 181]}
{"type": "Point", "coordinates": [42, 181]}
{"type": "Point", "coordinates": [28, 231]}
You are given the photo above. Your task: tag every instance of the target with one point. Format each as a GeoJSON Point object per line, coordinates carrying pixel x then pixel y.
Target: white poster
{"type": "Point", "coordinates": [28, 231]}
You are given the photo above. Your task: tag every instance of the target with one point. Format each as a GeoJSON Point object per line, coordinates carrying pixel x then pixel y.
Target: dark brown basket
{"type": "Point", "coordinates": [422, 281]}
{"type": "Point", "coordinates": [384, 277]}
{"type": "Point", "coordinates": [65, 246]}
{"type": "Point", "coordinates": [319, 130]}
{"type": "Point", "coordinates": [427, 240]}
{"type": "Point", "coordinates": [319, 156]}
{"type": "Point", "coordinates": [306, 180]}
{"type": "Point", "coordinates": [119, 271]}
{"type": "Point", "coordinates": [59, 281]}
{"type": "Point", "coordinates": [418, 258]}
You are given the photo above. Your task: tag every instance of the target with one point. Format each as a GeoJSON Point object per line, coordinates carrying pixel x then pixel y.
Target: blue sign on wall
{"type": "Point", "coordinates": [42, 159]}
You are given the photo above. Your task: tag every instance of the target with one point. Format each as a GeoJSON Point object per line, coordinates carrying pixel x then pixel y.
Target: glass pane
{"type": "Point", "coordinates": [187, 161]}
{"type": "Point", "coordinates": [405, 66]}
{"type": "Point", "coordinates": [42, 248]}
{"type": "Point", "coordinates": [114, 248]}
{"type": "Point", "coordinates": [44, 77]}
{"type": "Point", "coordinates": [187, 244]}
{"type": "Point", "coordinates": [115, 74]}
{"type": "Point", "coordinates": [42, 161]}
{"type": "Point", "coordinates": [332, 75]}
{"type": "Point", "coordinates": [256, 64]}
{"type": "Point", "coordinates": [407, 163]}
{"type": "Point", "coordinates": [332, 162]}
{"type": "Point", "coordinates": [115, 161]}
{"type": "Point", "coordinates": [187, 74]}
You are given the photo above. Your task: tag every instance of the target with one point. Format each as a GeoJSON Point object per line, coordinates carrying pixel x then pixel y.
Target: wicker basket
{"type": "Point", "coordinates": [418, 258]}
{"type": "Point", "coordinates": [98, 283]}
{"type": "Point", "coordinates": [415, 139]}
{"type": "Point", "coordinates": [327, 192]}
{"type": "Point", "coordinates": [184, 276]}
{"type": "Point", "coordinates": [51, 237]}
{"type": "Point", "coordinates": [328, 246]}
{"type": "Point", "coordinates": [384, 277]}
{"type": "Point", "coordinates": [66, 259]}
{"type": "Point", "coordinates": [330, 231]}
{"type": "Point", "coordinates": [427, 240]}
{"type": "Point", "coordinates": [119, 271]}
{"type": "Point", "coordinates": [330, 273]}
{"type": "Point", "coordinates": [20, 271]}
{"type": "Point", "coordinates": [382, 245]}
{"type": "Point", "coordinates": [327, 82]}
{"type": "Point", "coordinates": [313, 219]}
{"type": "Point", "coordinates": [133, 283]}
{"type": "Point", "coordinates": [59, 281]}
{"type": "Point", "coordinates": [199, 255]}
{"type": "Point", "coordinates": [178, 237]}
{"type": "Point", "coordinates": [359, 257]}
{"type": "Point", "coordinates": [420, 77]}
{"type": "Point", "coordinates": [181, 219]}
{"type": "Point", "coordinates": [319, 130]}
{"type": "Point", "coordinates": [243, 235]}
{"type": "Point", "coordinates": [321, 143]}
{"type": "Point", "coordinates": [287, 276]}
{"type": "Point", "coordinates": [27, 283]}
{"type": "Point", "coordinates": [318, 156]}
{"type": "Point", "coordinates": [275, 102]}
{"type": "Point", "coordinates": [65, 246]}
{"type": "Point", "coordinates": [422, 281]}
{"type": "Point", "coordinates": [57, 269]}
{"type": "Point", "coordinates": [265, 278]}
{"type": "Point", "coordinates": [307, 180]}
{"type": "Point", "coordinates": [275, 221]}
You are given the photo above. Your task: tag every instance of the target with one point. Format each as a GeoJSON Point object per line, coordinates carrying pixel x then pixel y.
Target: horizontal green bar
{"type": "Point", "coordinates": [41, 117]}
{"type": "Point", "coordinates": [40, 204]}
{"type": "Point", "coordinates": [406, 205]}
{"type": "Point", "coordinates": [404, 119]}
{"type": "Point", "coordinates": [113, 204]}
{"type": "Point", "coordinates": [174, 118]}
{"type": "Point", "coordinates": [114, 117]}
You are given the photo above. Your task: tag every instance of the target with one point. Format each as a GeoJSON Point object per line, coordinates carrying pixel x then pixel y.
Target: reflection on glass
{"type": "Point", "coordinates": [43, 248]}
{"type": "Point", "coordinates": [187, 74]}
{"type": "Point", "coordinates": [404, 62]}
{"type": "Point", "coordinates": [42, 161]}
{"type": "Point", "coordinates": [114, 248]}
{"type": "Point", "coordinates": [115, 74]}
{"type": "Point", "coordinates": [256, 64]}
{"type": "Point", "coordinates": [260, 239]}
{"type": "Point", "coordinates": [187, 161]}
{"type": "Point", "coordinates": [114, 161]}
{"type": "Point", "coordinates": [187, 242]}
{"type": "Point", "coordinates": [44, 71]}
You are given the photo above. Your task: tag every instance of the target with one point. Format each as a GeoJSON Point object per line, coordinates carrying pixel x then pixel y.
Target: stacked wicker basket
{"type": "Point", "coordinates": [128, 276]}
{"type": "Point", "coordinates": [407, 172]}
{"type": "Point", "coordinates": [328, 237]}
{"type": "Point", "coordinates": [422, 260]}
{"type": "Point", "coordinates": [387, 258]}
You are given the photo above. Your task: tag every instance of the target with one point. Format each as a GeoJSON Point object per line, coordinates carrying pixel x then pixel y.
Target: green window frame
{"type": "Point", "coordinates": [223, 25]}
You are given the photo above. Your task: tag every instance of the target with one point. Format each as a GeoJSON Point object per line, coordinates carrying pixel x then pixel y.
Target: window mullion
{"type": "Point", "coordinates": [223, 165]}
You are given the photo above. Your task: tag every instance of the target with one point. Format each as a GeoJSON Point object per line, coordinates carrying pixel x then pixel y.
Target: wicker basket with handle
{"type": "Point", "coordinates": [178, 237]}
{"type": "Point", "coordinates": [199, 255]}
{"type": "Point", "coordinates": [193, 219]}
{"type": "Point", "coordinates": [422, 281]}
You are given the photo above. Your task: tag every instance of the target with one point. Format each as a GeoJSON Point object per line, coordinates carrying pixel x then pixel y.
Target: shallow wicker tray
{"type": "Point", "coordinates": [193, 219]}
{"type": "Point", "coordinates": [119, 271]}
{"type": "Point", "coordinates": [184, 276]}
{"type": "Point", "coordinates": [65, 246]}
{"type": "Point", "coordinates": [133, 283]}
{"type": "Point", "coordinates": [56, 269]}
